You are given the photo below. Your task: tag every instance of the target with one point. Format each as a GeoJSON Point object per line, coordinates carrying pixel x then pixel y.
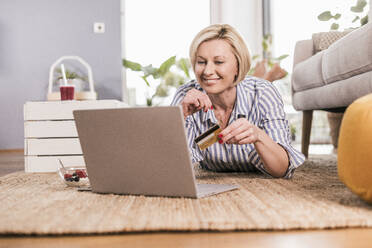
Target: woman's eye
{"type": "Point", "coordinates": [201, 62]}
{"type": "Point", "coordinates": [219, 62]}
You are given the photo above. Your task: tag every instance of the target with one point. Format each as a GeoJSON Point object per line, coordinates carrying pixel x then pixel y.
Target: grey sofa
{"type": "Point", "coordinates": [332, 78]}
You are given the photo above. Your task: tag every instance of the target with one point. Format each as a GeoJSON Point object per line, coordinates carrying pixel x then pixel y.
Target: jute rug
{"type": "Point", "coordinates": [313, 199]}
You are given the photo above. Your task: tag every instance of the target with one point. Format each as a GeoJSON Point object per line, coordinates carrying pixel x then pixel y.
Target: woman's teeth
{"type": "Point", "coordinates": [211, 80]}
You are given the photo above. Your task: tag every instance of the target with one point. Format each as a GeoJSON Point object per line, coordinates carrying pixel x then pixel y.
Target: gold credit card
{"type": "Point", "coordinates": [208, 138]}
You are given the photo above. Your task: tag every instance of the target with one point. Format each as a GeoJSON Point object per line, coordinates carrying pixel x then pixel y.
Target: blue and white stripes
{"type": "Point", "coordinates": [259, 102]}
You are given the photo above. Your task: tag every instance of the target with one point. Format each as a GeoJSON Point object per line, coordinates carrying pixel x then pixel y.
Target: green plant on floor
{"type": "Point", "coordinates": [168, 79]}
{"type": "Point", "coordinates": [357, 14]}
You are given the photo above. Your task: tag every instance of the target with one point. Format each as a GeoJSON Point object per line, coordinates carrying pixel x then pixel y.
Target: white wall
{"type": "Point", "coordinates": [244, 15]}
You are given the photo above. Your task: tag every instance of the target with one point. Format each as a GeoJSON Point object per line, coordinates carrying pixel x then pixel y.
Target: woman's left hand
{"type": "Point", "coordinates": [239, 132]}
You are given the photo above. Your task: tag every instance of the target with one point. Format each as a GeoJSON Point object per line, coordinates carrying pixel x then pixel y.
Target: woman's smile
{"type": "Point", "coordinates": [211, 81]}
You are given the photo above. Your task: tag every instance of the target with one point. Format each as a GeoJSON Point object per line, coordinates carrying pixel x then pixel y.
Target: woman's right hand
{"type": "Point", "coordinates": [194, 101]}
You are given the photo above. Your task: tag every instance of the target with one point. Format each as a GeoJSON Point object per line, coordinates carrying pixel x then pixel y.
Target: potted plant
{"type": "Point", "coordinates": [266, 66]}
{"type": "Point", "coordinates": [72, 78]}
{"type": "Point", "coordinates": [168, 79]}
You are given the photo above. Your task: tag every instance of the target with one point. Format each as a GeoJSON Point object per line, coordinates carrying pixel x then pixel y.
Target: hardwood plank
{"type": "Point", "coordinates": [7, 151]}
{"type": "Point", "coordinates": [11, 161]}
{"type": "Point", "coordinates": [289, 239]}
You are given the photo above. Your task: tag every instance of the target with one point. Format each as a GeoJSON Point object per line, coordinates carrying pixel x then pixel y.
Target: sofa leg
{"type": "Point", "coordinates": [307, 118]}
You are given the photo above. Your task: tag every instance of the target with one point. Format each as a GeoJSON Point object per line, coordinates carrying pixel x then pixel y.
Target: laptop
{"type": "Point", "coordinates": [139, 151]}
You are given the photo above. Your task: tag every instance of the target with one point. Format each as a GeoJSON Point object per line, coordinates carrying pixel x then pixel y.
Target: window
{"type": "Point", "coordinates": [156, 30]}
{"type": "Point", "coordinates": [297, 20]}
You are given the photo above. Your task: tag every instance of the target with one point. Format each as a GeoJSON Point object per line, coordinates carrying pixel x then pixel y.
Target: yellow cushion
{"type": "Point", "coordinates": [355, 148]}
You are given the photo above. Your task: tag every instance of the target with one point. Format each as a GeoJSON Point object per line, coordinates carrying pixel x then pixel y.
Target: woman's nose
{"type": "Point", "coordinates": [209, 69]}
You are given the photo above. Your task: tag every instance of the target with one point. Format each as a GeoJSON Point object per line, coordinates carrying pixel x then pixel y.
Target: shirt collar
{"type": "Point", "coordinates": [240, 109]}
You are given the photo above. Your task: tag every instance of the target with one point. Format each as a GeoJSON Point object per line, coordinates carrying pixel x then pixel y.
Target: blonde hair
{"type": "Point", "coordinates": [229, 34]}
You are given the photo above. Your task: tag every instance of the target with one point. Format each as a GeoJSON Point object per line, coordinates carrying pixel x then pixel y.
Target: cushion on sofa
{"type": "Point", "coordinates": [308, 73]}
{"type": "Point", "coordinates": [348, 56]}
{"type": "Point", "coordinates": [323, 40]}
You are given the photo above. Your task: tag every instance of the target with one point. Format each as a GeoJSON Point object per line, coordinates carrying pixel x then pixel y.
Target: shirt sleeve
{"type": "Point", "coordinates": [275, 124]}
{"type": "Point", "coordinates": [196, 155]}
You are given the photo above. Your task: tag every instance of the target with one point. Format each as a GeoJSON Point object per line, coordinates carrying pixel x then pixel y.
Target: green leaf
{"type": "Point", "coordinates": [184, 65]}
{"type": "Point", "coordinates": [325, 16]}
{"type": "Point", "coordinates": [164, 68]}
{"type": "Point", "coordinates": [145, 79]}
{"type": "Point", "coordinates": [337, 16]}
{"type": "Point", "coordinates": [356, 19]}
{"type": "Point", "coordinates": [270, 63]}
{"type": "Point", "coordinates": [161, 90]}
{"type": "Point", "coordinates": [149, 70]}
{"type": "Point", "coordinates": [265, 45]}
{"type": "Point", "coordinates": [169, 79]}
{"type": "Point", "coordinates": [254, 57]}
{"type": "Point", "coordinates": [132, 65]}
{"type": "Point", "coordinates": [358, 8]}
{"type": "Point", "coordinates": [364, 20]}
{"type": "Point", "coordinates": [281, 57]}
{"type": "Point", "coordinates": [334, 26]}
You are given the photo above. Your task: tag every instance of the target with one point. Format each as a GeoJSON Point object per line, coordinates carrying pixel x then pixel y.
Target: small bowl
{"type": "Point", "coordinates": [74, 176]}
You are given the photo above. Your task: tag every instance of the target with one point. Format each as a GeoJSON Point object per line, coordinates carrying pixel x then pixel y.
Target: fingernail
{"type": "Point", "coordinates": [220, 136]}
{"type": "Point", "coordinates": [220, 141]}
{"type": "Point", "coordinates": [211, 107]}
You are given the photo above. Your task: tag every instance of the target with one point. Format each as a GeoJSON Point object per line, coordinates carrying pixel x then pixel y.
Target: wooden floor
{"type": "Point", "coordinates": [12, 161]}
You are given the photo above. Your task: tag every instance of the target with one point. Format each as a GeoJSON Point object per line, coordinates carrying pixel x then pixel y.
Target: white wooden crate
{"type": "Point", "coordinates": [50, 133]}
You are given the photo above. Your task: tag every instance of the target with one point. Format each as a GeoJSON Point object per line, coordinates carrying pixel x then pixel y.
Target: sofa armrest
{"type": "Point", "coordinates": [304, 49]}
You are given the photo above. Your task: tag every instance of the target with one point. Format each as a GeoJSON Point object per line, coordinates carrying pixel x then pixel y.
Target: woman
{"type": "Point", "coordinates": [255, 134]}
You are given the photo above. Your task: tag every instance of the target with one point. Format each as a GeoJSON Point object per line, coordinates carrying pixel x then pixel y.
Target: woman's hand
{"type": "Point", "coordinates": [240, 132]}
{"type": "Point", "coordinates": [194, 101]}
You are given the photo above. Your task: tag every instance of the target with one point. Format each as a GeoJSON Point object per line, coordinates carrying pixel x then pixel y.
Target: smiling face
{"type": "Point", "coordinates": [216, 66]}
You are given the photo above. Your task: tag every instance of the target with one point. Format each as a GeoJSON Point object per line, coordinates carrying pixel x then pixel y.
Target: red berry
{"type": "Point", "coordinates": [81, 173]}
{"type": "Point", "coordinates": [67, 176]}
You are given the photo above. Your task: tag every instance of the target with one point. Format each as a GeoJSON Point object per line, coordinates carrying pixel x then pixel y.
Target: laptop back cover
{"type": "Point", "coordinates": [136, 151]}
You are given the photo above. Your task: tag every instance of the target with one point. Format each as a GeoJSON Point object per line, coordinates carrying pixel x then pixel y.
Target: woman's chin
{"type": "Point", "coordinates": [213, 90]}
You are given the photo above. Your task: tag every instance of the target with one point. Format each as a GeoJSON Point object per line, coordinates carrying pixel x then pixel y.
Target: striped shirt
{"type": "Point", "coordinates": [258, 101]}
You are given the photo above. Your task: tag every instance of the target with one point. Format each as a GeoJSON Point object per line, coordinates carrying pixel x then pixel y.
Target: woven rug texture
{"type": "Point", "coordinates": [314, 198]}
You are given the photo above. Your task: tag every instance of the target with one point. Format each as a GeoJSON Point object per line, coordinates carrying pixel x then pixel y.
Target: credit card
{"type": "Point", "coordinates": [208, 138]}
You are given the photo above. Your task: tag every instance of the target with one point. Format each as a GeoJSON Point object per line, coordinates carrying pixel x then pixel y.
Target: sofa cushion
{"type": "Point", "coordinates": [308, 73]}
{"type": "Point", "coordinates": [348, 56]}
{"type": "Point", "coordinates": [338, 94]}
{"type": "Point", "coordinates": [323, 40]}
